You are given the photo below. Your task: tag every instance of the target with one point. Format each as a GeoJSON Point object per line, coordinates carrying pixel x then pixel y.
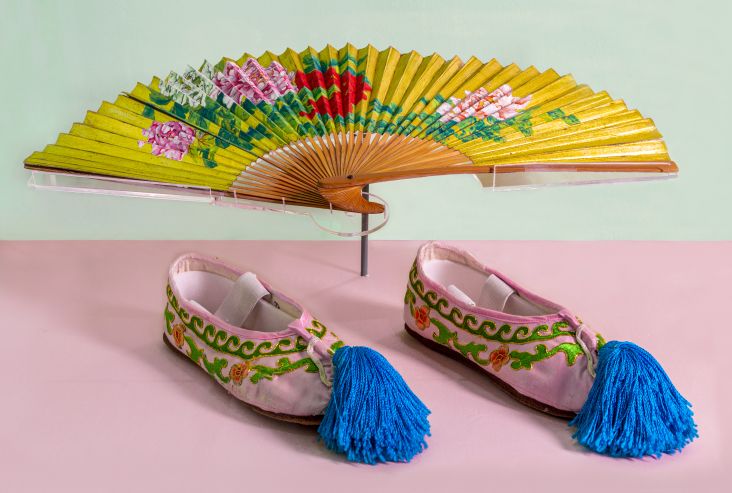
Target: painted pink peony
{"type": "Point", "coordinates": [170, 139]}
{"type": "Point", "coordinates": [501, 104]}
{"type": "Point", "coordinates": [236, 84]}
{"type": "Point", "coordinates": [281, 78]}
{"type": "Point", "coordinates": [254, 82]}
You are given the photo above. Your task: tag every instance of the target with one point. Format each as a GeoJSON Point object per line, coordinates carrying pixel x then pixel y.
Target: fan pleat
{"type": "Point", "coordinates": [276, 127]}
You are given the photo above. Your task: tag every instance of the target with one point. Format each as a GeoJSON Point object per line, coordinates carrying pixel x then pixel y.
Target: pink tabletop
{"type": "Point", "coordinates": [93, 401]}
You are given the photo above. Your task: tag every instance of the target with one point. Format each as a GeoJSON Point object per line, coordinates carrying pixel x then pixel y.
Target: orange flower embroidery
{"type": "Point", "coordinates": [422, 317]}
{"type": "Point", "coordinates": [499, 357]}
{"type": "Point", "coordinates": [178, 330]}
{"type": "Point", "coordinates": [238, 372]}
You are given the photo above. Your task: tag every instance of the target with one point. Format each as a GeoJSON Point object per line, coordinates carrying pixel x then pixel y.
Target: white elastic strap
{"type": "Point", "coordinates": [589, 354]}
{"type": "Point", "coordinates": [241, 299]}
{"type": "Point", "coordinates": [495, 293]}
{"type": "Point", "coordinates": [457, 293]}
{"type": "Point", "coordinates": [316, 359]}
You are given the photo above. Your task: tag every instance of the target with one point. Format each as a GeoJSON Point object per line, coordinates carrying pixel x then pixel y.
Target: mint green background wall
{"type": "Point", "coordinates": [666, 58]}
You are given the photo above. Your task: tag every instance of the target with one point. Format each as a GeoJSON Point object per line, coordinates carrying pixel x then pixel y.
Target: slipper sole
{"type": "Point", "coordinates": [527, 401]}
{"type": "Point", "coordinates": [289, 418]}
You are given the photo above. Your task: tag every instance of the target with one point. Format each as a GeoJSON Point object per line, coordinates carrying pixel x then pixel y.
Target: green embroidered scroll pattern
{"type": "Point", "coordinates": [524, 360]}
{"type": "Point", "coordinates": [600, 341]}
{"type": "Point", "coordinates": [221, 341]}
{"type": "Point", "coordinates": [198, 356]}
{"type": "Point", "coordinates": [486, 329]}
{"type": "Point", "coordinates": [319, 330]}
{"type": "Point", "coordinates": [284, 365]}
{"type": "Point", "coordinates": [471, 350]}
{"type": "Point", "coordinates": [521, 360]}
{"type": "Point", "coordinates": [257, 373]}
{"type": "Point", "coordinates": [409, 299]}
{"type": "Point", "coordinates": [448, 338]}
{"type": "Point", "coordinates": [336, 346]}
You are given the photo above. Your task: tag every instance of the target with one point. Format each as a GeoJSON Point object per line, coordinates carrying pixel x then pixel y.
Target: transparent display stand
{"type": "Point", "coordinates": [336, 222]}
{"type": "Point", "coordinates": [507, 177]}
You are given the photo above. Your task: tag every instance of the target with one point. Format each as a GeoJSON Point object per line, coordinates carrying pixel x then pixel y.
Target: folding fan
{"type": "Point", "coordinates": [313, 128]}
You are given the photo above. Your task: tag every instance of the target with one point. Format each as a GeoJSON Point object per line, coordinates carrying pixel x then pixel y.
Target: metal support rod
{"type": "Point", "coordinates": [365, 238]}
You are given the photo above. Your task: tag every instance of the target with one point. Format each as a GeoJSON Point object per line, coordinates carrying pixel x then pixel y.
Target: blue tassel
{"type": "Point", "coordinates": [633, 409]}
{"type": "Point", "coordinates": [372, 416]}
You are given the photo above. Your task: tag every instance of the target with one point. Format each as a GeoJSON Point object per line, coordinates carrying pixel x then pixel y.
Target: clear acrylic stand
{"type": "Point", "coordinates": [336, 222]}
{"type": "Point", "coordinates": [509, 177]}
{"type": "Point", "coordinates": [339, 223]}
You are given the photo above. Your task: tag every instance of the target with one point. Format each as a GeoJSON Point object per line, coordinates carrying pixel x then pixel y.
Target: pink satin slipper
{"type": "Point", "coordinates": [271, 354]}
{"type": "Point", "coordinates": [621, 401]}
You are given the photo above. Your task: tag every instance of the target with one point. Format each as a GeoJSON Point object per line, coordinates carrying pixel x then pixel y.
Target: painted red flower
{"type": "Point", "coordinates": [499, 357]}
{"type": "Point", "coordinates": [352, 89]}
{"type": "Point", "coordinates": [422, 317]}
{"type": "Point", "coordinates": [238, 372]}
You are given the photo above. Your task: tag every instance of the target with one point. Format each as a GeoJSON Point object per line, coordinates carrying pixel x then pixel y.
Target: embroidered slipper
{"type": "Point", "coordinates": [621, 401]}
{"type": "Point", "coordinates": [271, 354]}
